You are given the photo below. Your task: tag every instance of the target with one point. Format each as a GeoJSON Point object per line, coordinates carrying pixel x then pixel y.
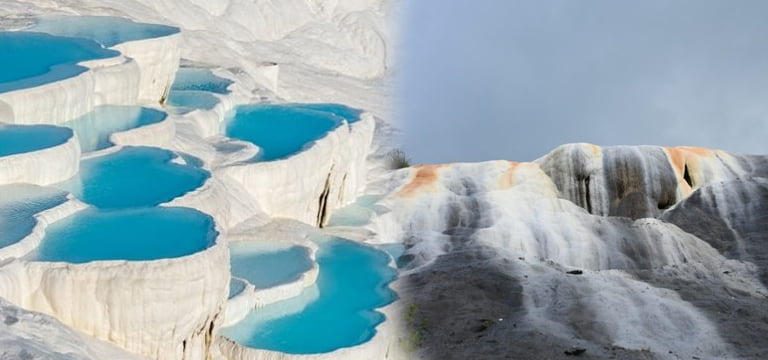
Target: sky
{"type": "Point", "coordinates": [507, 79]}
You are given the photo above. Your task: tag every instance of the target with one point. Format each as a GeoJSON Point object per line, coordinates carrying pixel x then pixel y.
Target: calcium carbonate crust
{"type": "Point", "coordinates": [142, 73]}
{"type": "Point", "coordinates": [42, 167]}
{"type": "Point", "coordinates": [252, 298]}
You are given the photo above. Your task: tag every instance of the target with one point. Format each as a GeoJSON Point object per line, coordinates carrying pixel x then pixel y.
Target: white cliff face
{"type": "Point", "coordinates": [646, 229]}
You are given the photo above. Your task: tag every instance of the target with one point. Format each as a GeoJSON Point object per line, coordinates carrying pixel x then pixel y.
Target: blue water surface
{"type": "Point", "coordinates": [281, 130]}
{"type": "Point", "coordinates": [353, 281]}
{"type": "Point", "coordinates": [351, 115]}
{"type": "Point", "coordinates": [127, 234]}
{"type": "Point", "coordinates": [236, 286]}
{"type": "Point", "coordinates": [265, 268]}
{"type": "Point", "coordinates": [200, 79]}
{"type": "Point", "coordinates": [18, 205]}
{"type": "Point", "coordinates": [106, 30]}
{"type": "Point", "coordinates": [30, 59]}
{"type": "Point", "coordinates": [187, 100]}
{"type": "Point", "coordinates": [357, 213]}
{"type": "Point", "coordinates": [133, 177]}
{"type": "Point", "coordinates": [93, 129]}
{"type": "Point", "coordinates": [17, 139]}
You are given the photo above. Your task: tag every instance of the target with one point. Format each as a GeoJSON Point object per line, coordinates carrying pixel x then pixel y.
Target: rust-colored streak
{"type": "Point", "coordinates": [700, 151]}
{"type": "Point", "coordinates": [596, 150]}
{"type": "Point", "coordinates": [689, 157]}
{"type": "Point", "coordinates": [426, 175]}
{"type": "Point", "coordinates": [676, 158]}
{"type": "Point", "coordinates": [507, 178]}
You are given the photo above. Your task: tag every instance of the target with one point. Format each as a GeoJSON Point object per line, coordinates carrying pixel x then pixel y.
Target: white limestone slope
{"type": "Point", "coordinates": [27, 335]}
{"type": "Point", "coordinates": [42, 167]}
{"type": "Point", "coordinates": [573, 209]}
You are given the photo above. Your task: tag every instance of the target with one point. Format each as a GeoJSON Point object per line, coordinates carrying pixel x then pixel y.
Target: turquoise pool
{"type": "Point", "coordinates": [18, 139]}
{"type": "Point", "coordinates": [93, 129]}
{"type": "Point", "coordinates": [127, 234]}
{"type": "Point", "coordinates": [18, 205]}
{"type": "Point", "coordinates": [236, 286]}
{"type": "Point", "coordinates": [187, 100]}
{"type": "Point", "coordinates": [266, 268]}
{"type": "Point", "coordinates": [282, 130]}
{"type": "Point", "coordinates": [106, 30]}
{"type": "Point", "coordinates": [353, 281]}
{"type": "Point", "coordinates": [133, 177]}
{"type": "Point", "coordinates": [200, 79]}
{"type": "Point", "coordinates": [32, 59]}
{"type": "Point", "coordinates": [358, 213]}
{"type": "Point", "coordinates": [396, 251]}
{"type": "Point", "coordinates": [351, 115]}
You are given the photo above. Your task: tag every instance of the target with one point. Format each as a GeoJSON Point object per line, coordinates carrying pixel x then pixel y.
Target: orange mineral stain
{"type": "Point", "coordinates": [426, 176]}
{"type": "Point", "coordinates": [507, 178]}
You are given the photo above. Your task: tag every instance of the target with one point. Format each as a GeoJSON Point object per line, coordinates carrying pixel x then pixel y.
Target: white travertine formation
{"type": "Point", "coordinates": [227, 203]}
{"type": "Point", "coordinates": [160, 134]}
{"type": "Point", "coordinates": [54, 103]}
{"type": "Point", "coordinates": [144, 72]}
{"type": "Point", "coordinates": [388, 343]}
{"type": "Point", "coordinates": [42, 167]}
{"type": "Point", "coordinates": [310, 184]}
{"type": "Point", "coordinates": [158, 60]}
{"type": "Point", "coordinates": [27, 335]}
{"type": "Point", "coordinates": [164, 309]}
{"type": "Point", "coordinates": [172, 309]}
{"type": "Point", "coordinates": [251, 298]}
{"type": "Point", "coordinates": [624, 217]}
{"type": "Point", "coordinates": [267, 73]}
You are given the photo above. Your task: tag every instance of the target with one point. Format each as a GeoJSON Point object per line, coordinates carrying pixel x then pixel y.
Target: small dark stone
{"type": "Point", "coordinates": [10, 320]}
{"type": "Point", "coordinates": [575, 351]}
{"type": "Point", "coordinates": [480, 328]}
{"type": "Point", "coordinates": [575, 272]}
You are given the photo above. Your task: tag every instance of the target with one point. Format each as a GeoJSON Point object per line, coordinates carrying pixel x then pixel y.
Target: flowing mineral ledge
{"type": "Point", "coordinates": [164, 309]}
{"type": "Point", "coordinates": [159, 134]}
{"type": "Point", "coordinates": [309, 185]}
{"type": "Point", "coordinates": [109, 81]}
{"type": "Point", "coordinates": [387, 343]}
{"type": "Point", "coordinates": [43, 219]}
{"type": "Point", "coordinates": [251, 298]}
{"type": "Point", "coordinates": [144, 72]}
{"type": "Point", "coordinates": [155, 48]}
{"type": "Point", "coordinates": [42, 167]}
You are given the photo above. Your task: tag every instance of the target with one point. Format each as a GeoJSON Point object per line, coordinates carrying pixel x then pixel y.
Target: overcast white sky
{"type": "Point", "coordinates": [509, 79]}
